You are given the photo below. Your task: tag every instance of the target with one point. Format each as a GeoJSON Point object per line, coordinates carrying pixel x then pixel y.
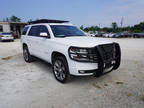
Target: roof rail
{"type": "Point", "coordinates": [47, 21]}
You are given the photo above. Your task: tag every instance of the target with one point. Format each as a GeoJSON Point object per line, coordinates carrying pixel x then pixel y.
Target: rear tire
{"type": "Point", "coordinates": [27, 57]}
{"type": "Point", "coordinates": [60, 69]}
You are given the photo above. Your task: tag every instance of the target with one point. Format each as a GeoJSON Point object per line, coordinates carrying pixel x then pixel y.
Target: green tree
{"type": "Point", "coordinates": [92, 28]}
{"type": "Point", "coordinates": [82, 27]}
{"type": "Point", "coordinates": [15, 19]}
{"type": "Point", "coordinates": [114, 26]}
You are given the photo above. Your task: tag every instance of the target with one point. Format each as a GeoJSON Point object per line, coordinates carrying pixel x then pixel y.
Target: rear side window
{"type": "Point", "coordinates": [34, 31]}
{"type": "Point", "coordinates": [25, 31]}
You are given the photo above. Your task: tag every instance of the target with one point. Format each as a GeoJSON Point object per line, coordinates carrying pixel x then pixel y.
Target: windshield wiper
{"type": "Point", "coordinates": [60, 36]}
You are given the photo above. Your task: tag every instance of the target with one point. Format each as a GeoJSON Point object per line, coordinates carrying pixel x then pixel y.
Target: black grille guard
{"type": "Point", "coordinates": [102, 60]}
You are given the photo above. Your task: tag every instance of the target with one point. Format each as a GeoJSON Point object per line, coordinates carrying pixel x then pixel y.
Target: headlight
{"type": "Point", "coordinates": [83, 54]}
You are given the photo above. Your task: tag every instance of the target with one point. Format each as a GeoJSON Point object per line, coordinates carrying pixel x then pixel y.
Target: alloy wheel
{"type": "Point", "coordinates": [59, 70]}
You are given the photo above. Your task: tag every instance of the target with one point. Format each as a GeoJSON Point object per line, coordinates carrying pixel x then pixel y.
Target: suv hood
{"type": "Point", "coordinates": [82, 41]}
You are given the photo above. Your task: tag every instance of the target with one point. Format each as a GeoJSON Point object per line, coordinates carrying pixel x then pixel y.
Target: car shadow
{"type": "Point", "coordinates": [47, 67]}
{"type": "Point", "coordinates": [4, 41]}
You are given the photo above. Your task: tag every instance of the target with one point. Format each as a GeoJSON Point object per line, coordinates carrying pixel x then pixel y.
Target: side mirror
{"type": "Point", "coordinates": [44, 34]}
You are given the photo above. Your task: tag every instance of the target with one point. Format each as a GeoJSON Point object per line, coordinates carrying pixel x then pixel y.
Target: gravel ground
{"type": "Point", "coordinates": [24, 85]}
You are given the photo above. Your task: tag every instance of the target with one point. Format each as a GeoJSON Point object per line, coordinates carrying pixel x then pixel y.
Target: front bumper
{"type": "Point", "coordinates": [7, 38]}
{"type": "Point", "coordinates": [104, 65]}
{"type": "Point", "coordinates": [102, 68]}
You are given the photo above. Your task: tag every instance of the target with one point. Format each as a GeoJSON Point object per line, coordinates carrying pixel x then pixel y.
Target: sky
{"type": "Point", "coordinates": [78, 12]}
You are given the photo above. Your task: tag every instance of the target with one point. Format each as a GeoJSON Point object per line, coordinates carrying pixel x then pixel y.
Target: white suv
{"type": "Point", "coordinates": [69, 50]}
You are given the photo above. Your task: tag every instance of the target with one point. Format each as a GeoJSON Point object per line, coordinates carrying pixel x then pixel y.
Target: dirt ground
{"type": "Point", "coordinates": [33, 85]}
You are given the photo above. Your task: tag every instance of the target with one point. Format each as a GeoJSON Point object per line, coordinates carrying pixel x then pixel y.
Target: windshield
{"type": "Point", "coordinates": [66, 31]}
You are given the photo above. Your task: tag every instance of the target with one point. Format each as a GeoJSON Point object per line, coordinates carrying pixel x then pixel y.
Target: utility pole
{"type": "Point", "coordinates": [122, 20]}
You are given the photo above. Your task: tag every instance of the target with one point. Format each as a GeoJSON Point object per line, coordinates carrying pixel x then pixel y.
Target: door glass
{"type": "Point", "coordinates": [34, 31]}
{"type": "Point", "coordinates": [43, 29]}
{"type": "Point", "coordinates": [25, 31]}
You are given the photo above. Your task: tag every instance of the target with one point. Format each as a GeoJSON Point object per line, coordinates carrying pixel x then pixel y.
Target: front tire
{"type": "Point", "coordinates": [27, 57]}
{"type": "Point", "coordinates": [60, 69]}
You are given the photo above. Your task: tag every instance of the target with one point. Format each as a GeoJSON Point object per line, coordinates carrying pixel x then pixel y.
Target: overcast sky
{"type": "Point", "coordinates": [79, 12]}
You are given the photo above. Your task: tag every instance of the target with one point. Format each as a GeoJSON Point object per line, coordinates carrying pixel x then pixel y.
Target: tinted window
{"type": "Point", "coordinates": [43, 29]}
{"type": "Point", "coordinates": [34, 31]}
{"type": "Point", "coordinates": [25, 30]}
{"type": "Point", "coordinates": [66, 31]}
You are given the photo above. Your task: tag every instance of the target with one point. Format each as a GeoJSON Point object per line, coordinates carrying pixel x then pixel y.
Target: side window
{"type": "Point", "coordinates": [43, 29]}
{"type": "Point", "coordinates": [34, 31]}
{"type": "Point", "coordinates": [25, 31]}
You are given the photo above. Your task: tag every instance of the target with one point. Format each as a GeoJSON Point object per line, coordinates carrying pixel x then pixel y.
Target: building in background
{"type": "Point", "coordinates": [15, 27]}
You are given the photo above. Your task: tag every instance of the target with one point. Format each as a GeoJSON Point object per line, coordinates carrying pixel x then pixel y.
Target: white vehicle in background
{"type": "Point", "coordinates": [91, 33]}
{"type": "Point", "coordinates": [106, 35]}
{"type": "Point", "coordinates": [111, 35]}
{"type": "Point", "coordinates": [69, 50]}
{"type": "Point", "coordinates": [6, 36]}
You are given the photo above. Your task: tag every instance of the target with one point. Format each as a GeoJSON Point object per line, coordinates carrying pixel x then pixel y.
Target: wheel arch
{"type": "Point", "coordinates": [55, 54]}
{"type": "Point", "coordinates": [24, 45]}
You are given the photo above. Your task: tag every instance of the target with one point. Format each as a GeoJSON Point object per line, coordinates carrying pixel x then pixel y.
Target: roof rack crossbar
{"type": "Point", "coordinates": [47, 21]}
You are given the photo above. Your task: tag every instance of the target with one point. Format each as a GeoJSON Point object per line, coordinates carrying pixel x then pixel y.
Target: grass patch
{"type": "Point", "coordinates": [119, 83]}
{"type": "Point", "coordinates": [105, 84]}
{"type": "Point", "coordinates": [142, 98]}
{"type": "Point", "coordinates": [129, 94]}
{"type": "Point", "coordinates": [7, 58]}
{"type": "Point", "coordinates": [96, 86]}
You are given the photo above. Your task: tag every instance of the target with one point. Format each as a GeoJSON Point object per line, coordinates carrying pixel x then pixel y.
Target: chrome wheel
{"type": "Point", "coordinates": [59, 70]}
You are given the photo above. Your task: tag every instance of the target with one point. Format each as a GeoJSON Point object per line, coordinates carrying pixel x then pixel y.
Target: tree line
{"type": "Point", "coordinates": [138, 28]}
{"type": "Point", "coordinates": [12, 19]}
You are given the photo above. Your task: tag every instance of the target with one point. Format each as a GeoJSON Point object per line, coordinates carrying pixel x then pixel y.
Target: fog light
{"type": "Point", "coordinates": [81, 72]}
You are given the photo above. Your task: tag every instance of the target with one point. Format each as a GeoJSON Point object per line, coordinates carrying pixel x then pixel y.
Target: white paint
{"type": "Point", "coordinates": [44, 47]}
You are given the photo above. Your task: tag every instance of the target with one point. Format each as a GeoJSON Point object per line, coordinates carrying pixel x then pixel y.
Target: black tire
{"type": "Point", "coordinates": [60, 69]}
{"type": "Point", "coordinates": [27, 57]}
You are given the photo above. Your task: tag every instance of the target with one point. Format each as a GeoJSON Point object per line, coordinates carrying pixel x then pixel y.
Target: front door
{"type": "Point", "coordinates": [44, 44]}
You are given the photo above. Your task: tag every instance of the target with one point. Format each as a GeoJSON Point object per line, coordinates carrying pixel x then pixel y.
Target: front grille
{"type": "Point", "coordinates": [107, 51]}
{"type": "Point", "coordinates": [93, 55]}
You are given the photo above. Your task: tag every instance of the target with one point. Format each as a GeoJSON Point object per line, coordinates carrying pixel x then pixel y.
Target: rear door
{"type": "Point", "coordinates": [33, 37]}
